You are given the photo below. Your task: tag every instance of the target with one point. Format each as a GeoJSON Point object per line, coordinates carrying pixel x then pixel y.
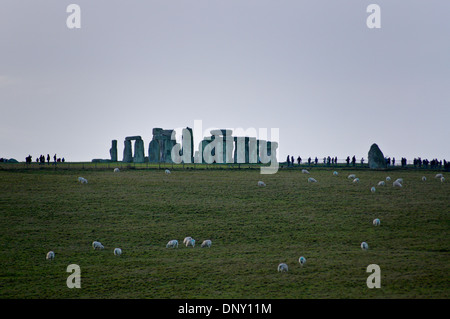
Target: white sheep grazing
{"type": "Point", "coordinates": [282, 267]}
{"type": "Point", "coordinates": [364, 246]}
{"type": "Point", "coordinates": [97, 245]}
{"type": "Point", "coordinates": [206, 243]}
{"type": "Point", "coordinates": [381, 183]}
{"type": "Point", "coordinates": [82, 180]}
{"type": "Point", "coordinates": [304, 171]}
{"type": "Point", "coordinates": [439, 176]}
{"type": "Point", "coordinates": [116, 170]}
{"type": "Point", "coordinates": [356, 180]}
{"type": "Point", "coordinates": [442, 179]}
{"type": "Point", "coordinates": [388, 179]}
{"type": "Point", "coordinates": [424, 178]}
{"type": "Point", "coordinates": [397, 184]}
{"type": "Point", "coordinates": [172, 243]}
{"type": "Point", "coordinates": [400, 180]}
{"type": "Point", "coordinates": [117, 251]}
{"type": "Point", "coordinates": [311, 180]}
{"type": "Point", "coordinates": [167, 172]}
{"type": "Point", "coordinates": [335, 173]}
{"type": "Point", "coordinates": [50, 255]}
{"type": "Point", "coordinates": [351, 176]}
{"type": "Point", "coordinates": [190, 242]}
{"type": "Point", "coordinates": [186, 239]}
{"type": "Point", "coordinates": [302, 260]}
{"type": "Point", "coordinates": [261, 183]}
{"type": "Point", "coordinates": [376, 222]}
{"type": "Point", "coordinates": [373, 190]}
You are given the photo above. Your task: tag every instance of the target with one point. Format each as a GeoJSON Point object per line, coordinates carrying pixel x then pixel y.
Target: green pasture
{"type": "Point", "coordinates": [252, 229]}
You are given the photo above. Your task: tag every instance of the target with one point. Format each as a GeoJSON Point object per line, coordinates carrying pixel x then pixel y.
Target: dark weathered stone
{"type": "Point", "coordinates": [132, 138]}
{"type": "Point", "coordinates": [113, 151]}
{"type": "Point", "coordinates": [187, 140]}
{"type": "Point", "coordinates": [127, 153]}
{"type": "Point", "coordinates": [376, 158]}
{"type": "Point", "coordinates": [153, 151]}
{"type": "Point", "coordinates": [139, 155]}
{"type": "Point", "coordinates": [223, 150]}
{"type": "Point", "coordinates": [161, 145]}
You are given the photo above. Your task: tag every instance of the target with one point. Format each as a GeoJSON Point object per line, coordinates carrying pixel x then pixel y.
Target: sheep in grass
{"type": "Point", "coordinates": [335, 173]}
{"type": "Point", "coordinates": [364, 246]}
{"type": "Point", "coordinates": [312, 180]}
{"type": "Point", "coordinates": [442, 179]}
{"type": "Point", "coordinates": [172, 244]}
{"type": "Point", "coordinates": [388, 179]}
{"type": "Point", "coordinates": [356, 180]}
{"type": "Point", "coordinates": [117, 251]}
{"type": "Point", "coordinates": [82, 180]}
{"type": "Point", "coordinates": [373, 190]}
{"type": "Point", "coordinates": [190, 242]}
{"type": "Point", "coordinates": [97, 245]}
{"type": "Point", "coordinates": [116, 170]}
{"type": "Point", "coordinates": [376, 222]}
{"type": "Point", "coordinates": [302, 260]}
{"type": "Point", "coordinates": [304, 171]}
{"type": "Point", "coordinates": [50, 255]}
{"type": "Point", "coordinates": [282, 267]}
{"type": "Point", "coordinates": [186, 240]}
{"type": "Point", "coordinates": [167, 172]}
{"type": "Point", "coordinates": [351, 176]}
{"type": "Point", "coordinates": [206, 243]}
{"type": "Point", "coordinates": [261, 184]}
{"type": "Point", "coordinates": [400, 180]}
{"type": "Point", "coordinates": [397, 184]}
{"type": "Point", "coordinates": [424, 178]}
{"type": "Point", "coordinates": [439, 176]}
{"type": "Point", "coordinates": [381, 183]}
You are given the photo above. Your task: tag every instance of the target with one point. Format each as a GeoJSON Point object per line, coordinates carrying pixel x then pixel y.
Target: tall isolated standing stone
{"type": "Point", "coordinates": [376, 158]}
{"type": "Point", "coordinates": [113, 151]}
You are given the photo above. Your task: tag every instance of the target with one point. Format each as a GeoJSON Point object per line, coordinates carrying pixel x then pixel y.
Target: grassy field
{"type": "Point", "coordinates": [252, 230]}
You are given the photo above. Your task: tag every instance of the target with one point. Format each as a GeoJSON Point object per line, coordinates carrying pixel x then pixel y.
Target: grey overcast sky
{"type": "Point", "coordinates": [312, 69]}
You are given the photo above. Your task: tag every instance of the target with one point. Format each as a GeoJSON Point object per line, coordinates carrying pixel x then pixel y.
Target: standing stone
{"type": "Point", "coordinates": [376, 158]}
{"type": "Point", "coordinates": [187, 141]}
{"type": "Point", "coordinates": [113, 151]}
{"type": "Point", "coordinates": [127, 154]}
{"type": "Point", "coordinates": [252, 150]}
{"type": "Point", "coordinates": [267, 151]}
{"type": "Point", "coordinates": [138, 150]}
{"type": "Point", "coordinates": [154, 149]}
{"type": "Point", "coordinates": [208, 147]}
{"type": "Point", "coordinates": [223, 145]}
{"type": "Point", "coordinates": [241, 149]}
{"type": "Point", "coordinates": [168, 142]}
{"type": "Point", "coordinates": [139, 156]}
